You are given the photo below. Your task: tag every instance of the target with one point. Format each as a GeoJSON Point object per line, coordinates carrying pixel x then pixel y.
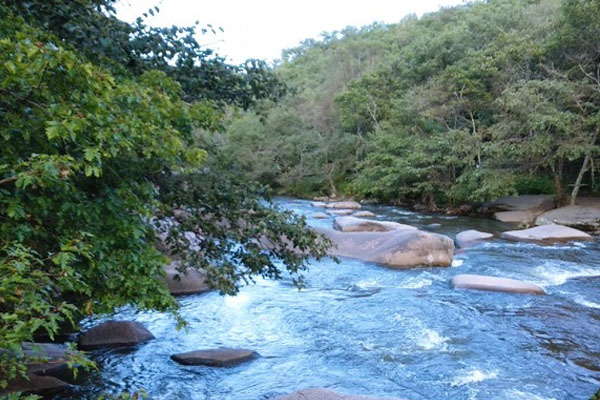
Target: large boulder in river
{"type": "Point", "coordinates": [325, 394]}
{"type": "Point", "coordinates": [191, 281]}
{"type": "Point", "coordinates": [471, 236]}
{"type": "Point", "coordinates": [48, 359]}
{"type": "Point", "coordinates": [401, 248]}
{"type": "Point", "coordinates": [353, 224]}
{"type": "Point", "coordinates": [494, 284]}
{"type": "Point", "coordinates": [222, 357]}
{"type": "Point", "coordinates": [585, 216]}
{"type": "Point", "coordinates": [345, 205]}
{"type": "Point", "coordinates": [547, 234]}
{"type": "Point", "coordinates": [114, 334]}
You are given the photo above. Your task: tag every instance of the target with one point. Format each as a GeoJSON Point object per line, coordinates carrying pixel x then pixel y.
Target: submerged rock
{"type": "Point", "coordinates": [340, 212]}
{"type": "Point", "coordinates": [114, 334]}
{"type": "Point", "coordinates": [325, 394]}
{"type": "Point", "coordinates": [364, 214]}
{"type": "Point", "coordinates": [547, 234]}
{"type": "Point", "coordinates": [223, 357]}
{"type": "Point", "coordinates": [320, 215]}
{"type": "Point", "coordinates": [353, 224]}
{"type": "Point", "coordinates": [191, 281]}
{"type": "Point", "coordinates": [402, 248]}
{"type": "Point", "coordinates": [344, 204]}
{"type": "Point", "coordinates": [471, 236]}
{"type": "Point", "coordinates": [494, 284]}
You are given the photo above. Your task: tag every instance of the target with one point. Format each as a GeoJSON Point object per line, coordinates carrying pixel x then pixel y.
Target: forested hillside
{"type": "Point", "coordinates": [462, 105]}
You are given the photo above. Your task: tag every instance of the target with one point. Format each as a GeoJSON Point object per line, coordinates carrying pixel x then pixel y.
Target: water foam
{"type": "Point", "coordinates": [457, 263]}
{"type": "Point", "coordinates": [473, 376]}
{"type": "Point", "coordinates": [431, 339]}
{"type": "Point", "coordinates": [557, 273]}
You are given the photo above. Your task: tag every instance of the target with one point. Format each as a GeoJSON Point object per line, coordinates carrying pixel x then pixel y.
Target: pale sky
{"type": "Point", "coordinates": [263, 28]}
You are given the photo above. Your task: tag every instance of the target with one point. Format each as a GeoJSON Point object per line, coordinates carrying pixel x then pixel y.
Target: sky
{"type": "Point", "coordinates": [263, 28]}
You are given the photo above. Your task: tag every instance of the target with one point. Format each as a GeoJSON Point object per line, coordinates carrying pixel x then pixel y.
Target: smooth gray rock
{"type": "Point", "coordinates": [191, 281]}
{"type": "Point", "coordinates": [47, 359]}
{"type": "Point", "coordinates": [471, 236]}
{"type": "Point", "coordinates": [402, 248]}
{"type": "Point", "coordinates": [223, 357]}
{"type": "Point", "coordinates": [318, 204]}
{"type": "Point", "coordinates": [320, 215]}
{"type": "Point", "coordinates": [345, 205]}
{"type": "Point", "coordinates": [541, 202]}
{"type": "Point", "coordinates": [494, 284]}
{"type": "Point", "coordinates": [353, 224]}
{"type": "Point", "coordinates": [518, 217]}
{"type": "Point", "coordinates": [325, 394]}
{"type": "Point", "coordinates": [114, 334]}
{"type": "Point", "coordinates": [586, 217]}
{"type": "Point", "coordinates": [547, 234]}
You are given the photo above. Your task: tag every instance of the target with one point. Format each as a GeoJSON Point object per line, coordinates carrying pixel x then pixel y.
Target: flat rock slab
{"type": "Point", "coordinates": [114, 334]}
{"type": "Point", "coordinates": [471, 236]}
{"type": "Point", "coordinates": [580, 216]}
{"type": "Point", "coordinates": [340, 212]}
{"type": "Point", "coordinates": [402, 248]}
{"type": "Point", "coordinates": [353, 224]}
{"type": "Point", "coordinates": [320, 215]}
{"type": "Point", "coordinates": [325, 394]}
{"type": "Point", "coordinates": [191, 281]}
{"type": "Point", "coordinates": [518, 217]}
{"type": "Point", "coordinates": [345, 205]}
{"type": "Point", "coordinates": [541, 202]}
{"type": "Point", "coordinates": [547, 234]}
{"type": "Point", "coordinates": [223, 357]}
{"type": "Point", "coordinates": [318, 204]}
{"type": "Point", "coordinates": [494, 284]}
{"type": "Point", "coordinates": [363, 214]}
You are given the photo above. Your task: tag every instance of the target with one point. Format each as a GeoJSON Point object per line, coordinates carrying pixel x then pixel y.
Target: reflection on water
{"type": "Point", "coordinates": [359, 328]}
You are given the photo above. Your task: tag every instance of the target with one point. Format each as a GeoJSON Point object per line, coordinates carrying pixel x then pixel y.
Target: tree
{"type": "Point", "coordinates": [97, 154]}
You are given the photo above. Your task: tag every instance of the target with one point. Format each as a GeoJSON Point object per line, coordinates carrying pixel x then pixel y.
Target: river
{"type": "Point", "coordinates": [360, 328]}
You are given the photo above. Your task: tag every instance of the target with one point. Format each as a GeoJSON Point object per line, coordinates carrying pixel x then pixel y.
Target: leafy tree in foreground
{"type": "Point", "coordinates": [94, 154]}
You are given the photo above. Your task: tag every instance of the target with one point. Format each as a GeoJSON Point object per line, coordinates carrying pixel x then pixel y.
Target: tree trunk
{"type": "Point", "coordinates": [559, 190]}
{"type": "Point", "coordinates": [331, 182]}
{"type": "Point", "coordinates": [582, 171]}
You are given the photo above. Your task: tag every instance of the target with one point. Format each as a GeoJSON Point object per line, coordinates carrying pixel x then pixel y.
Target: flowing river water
{"type": "Point", "coordinates": [360, 328]}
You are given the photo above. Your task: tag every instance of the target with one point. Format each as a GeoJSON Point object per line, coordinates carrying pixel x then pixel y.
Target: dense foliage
{"type": "Point", "coordinates": [103, 128]}
{"type": "Point", "coordinates": [462, 105]}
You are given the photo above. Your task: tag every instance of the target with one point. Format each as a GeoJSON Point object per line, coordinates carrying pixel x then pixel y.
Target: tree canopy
{"type": "Point", "coordinates": [105, 131]}
{"type": "Point", "coordinates": [462, 105]}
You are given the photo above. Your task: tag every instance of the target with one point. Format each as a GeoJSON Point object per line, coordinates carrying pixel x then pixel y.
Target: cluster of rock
{"type": "Point", "coordinates": [384, 242]}
{"type": "Point", "coordinates": [531, 210]}
{"type": "Point", "coordinates": [49, 371]}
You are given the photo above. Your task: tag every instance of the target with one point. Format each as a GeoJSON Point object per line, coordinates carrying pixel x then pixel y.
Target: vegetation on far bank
{"type": "Point", "coordinates": [463, 105]}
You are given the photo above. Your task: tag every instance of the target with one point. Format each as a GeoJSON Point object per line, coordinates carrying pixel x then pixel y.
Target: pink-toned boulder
{"type": "Point", "coordinates": [223, 357]}
{"type": "Point", "coordinates": [363, 214]}
{"type": "Point", "coordinates": [494, 284]}
{"type": "Point", "coordinates": [326, 394]}
{"type": "Point", "coordinates": [345, 205]}
{"type": "Point", "coordinates": [470, 237]}
{"type": "Point", "coordinates": [353, 224]}
{"type": "Point", "coordinates": [401, 248]}
{"type": "Point", "coordinates": [320, 215]}
{"type": "Point", "coordinates": [547, 234]}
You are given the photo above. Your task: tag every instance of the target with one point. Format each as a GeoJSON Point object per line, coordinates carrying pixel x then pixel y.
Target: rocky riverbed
{"type": "Point", "coordinates": [361, 328]}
